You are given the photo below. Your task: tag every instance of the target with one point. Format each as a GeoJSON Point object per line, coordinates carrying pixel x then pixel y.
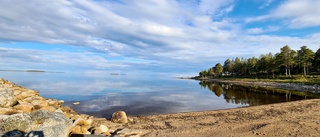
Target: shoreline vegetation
{"type": "Point", "coordinates": [302, 86]}
{"type": "Point", "coordinates": [308, 90]}
{"type": "Point", "coordinates": [295, 118]}
{"type": "Point", "coordinates": [296, 71]}
{"type": "Point", "coordinates": [287, 66]}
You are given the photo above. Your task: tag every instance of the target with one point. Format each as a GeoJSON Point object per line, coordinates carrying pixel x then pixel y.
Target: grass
{"type": "Point", "coordinates": [310, 80]}
{"type": "Point", "coordinates": [293, 92]}
{"type": "Point", "coordinates": [297, 79]}
{"type": "Point", "coordinates": [270, 90]}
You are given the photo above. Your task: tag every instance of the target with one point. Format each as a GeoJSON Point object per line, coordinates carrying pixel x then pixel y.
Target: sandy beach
{"type": "Point", "coordinates": [298, 118]}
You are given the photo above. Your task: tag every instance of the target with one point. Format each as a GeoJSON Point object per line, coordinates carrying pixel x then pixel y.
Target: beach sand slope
{"type": "Point", "coordinates": [298, 118]}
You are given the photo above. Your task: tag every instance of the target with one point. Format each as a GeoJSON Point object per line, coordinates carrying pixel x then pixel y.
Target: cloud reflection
{"type": "Point", "coordinates": [148, 103]}
{"type": "Point", "coordinates": [102, 95]}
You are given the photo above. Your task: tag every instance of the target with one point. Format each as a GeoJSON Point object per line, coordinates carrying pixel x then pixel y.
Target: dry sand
{"type": "Point", "coordinates": [298, 118]}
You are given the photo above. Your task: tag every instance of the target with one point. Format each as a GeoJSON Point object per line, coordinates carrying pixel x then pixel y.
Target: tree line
{"type": "Point", "coordinates": [286, 63]}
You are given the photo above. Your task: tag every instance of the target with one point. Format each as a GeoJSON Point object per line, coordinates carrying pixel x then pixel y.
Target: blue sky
{"type": "Point", "coordinates": [178, 37]}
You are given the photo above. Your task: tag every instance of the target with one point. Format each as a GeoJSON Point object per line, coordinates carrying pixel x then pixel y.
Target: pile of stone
{"type": "Point", "coordinates": [23, 112]}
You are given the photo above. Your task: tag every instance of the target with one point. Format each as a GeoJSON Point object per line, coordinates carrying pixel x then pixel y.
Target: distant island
{"type": "Point", "coordinates": [35, 71]}
{"type": "Point", "coordinates": [116, 74]}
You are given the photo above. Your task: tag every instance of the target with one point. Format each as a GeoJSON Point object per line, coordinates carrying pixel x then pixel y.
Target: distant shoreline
{"type": "Point", "coordinates": [36, 71]}
{"type": "Point", "coordinates": [186, 78]}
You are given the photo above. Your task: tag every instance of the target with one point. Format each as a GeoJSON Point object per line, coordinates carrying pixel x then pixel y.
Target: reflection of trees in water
{"type": "Point", "coordinates": [242, 94]}
{"type": "Point", "coordinates": [203, 84]}
{"type": "Point", "coordinates": [216, 88]}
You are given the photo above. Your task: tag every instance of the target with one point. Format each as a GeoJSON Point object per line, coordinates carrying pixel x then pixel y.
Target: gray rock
{"type": "Point", "coordinates": [7, 98]}
{"type": "Point", "coordinates": [52, 124]}
{"type": "Point", "coordinates": [38, 123]}
{"type": "Point", "coordinates": [20, 122]}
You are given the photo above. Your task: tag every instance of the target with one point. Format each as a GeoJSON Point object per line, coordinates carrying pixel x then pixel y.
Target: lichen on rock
{"type": "Point", "coordinates": [7, 98]}
{"type": "Point", "coordinates": [51, 124]}
{"type": "Point", "coordinates": [20, 121]}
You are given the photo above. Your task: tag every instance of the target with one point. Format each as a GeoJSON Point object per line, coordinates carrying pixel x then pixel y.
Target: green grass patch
{"type": "Point", "coordinates": [310, 80]}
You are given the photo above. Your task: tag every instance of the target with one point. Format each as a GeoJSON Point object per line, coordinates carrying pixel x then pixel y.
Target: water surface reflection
{"type": "Point", "coordinates": [246, 95]}
{"type": "Point", "coordinates": [100, 94]}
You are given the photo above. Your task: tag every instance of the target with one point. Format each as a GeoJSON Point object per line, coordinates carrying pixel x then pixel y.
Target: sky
{"type": "Point", "coordinates": [176, 37]}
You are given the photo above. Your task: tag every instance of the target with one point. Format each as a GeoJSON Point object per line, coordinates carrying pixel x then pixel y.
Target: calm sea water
{"type": "Point", "coordinates": [100, 94]}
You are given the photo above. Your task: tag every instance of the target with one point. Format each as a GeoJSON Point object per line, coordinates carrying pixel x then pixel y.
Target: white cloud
{"type": "Point", "coordinates": [266, 4]}
{"type": "Point", "coordinates": [41, 59]}
{"type": "Point", "coordinates": [141, 34]}
{"type": "Point", "coordinates": [300, 13]}
{"type": "Point", "coordinates": [95, 24]}
{"type": "Point", "coordinates": [314, 36]}
{"type": "Point", "coordinates": [255, 30]}
{"type": "Point", "coordinates": [255, 19]}
{"type": "Point", "coordinates": [265, 43]}
{"type": "Point", "coordinates": [158, 29]}
{"type": "Point", "coordinates": [294, 13]}
{"type": "Point", "coordinates": [216, 7]}
{"type": "Point", "coordinates": [262, 30]}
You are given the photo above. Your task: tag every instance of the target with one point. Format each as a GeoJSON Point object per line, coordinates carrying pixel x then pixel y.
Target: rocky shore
{"type": "Point", "coordinates": [24, 113]}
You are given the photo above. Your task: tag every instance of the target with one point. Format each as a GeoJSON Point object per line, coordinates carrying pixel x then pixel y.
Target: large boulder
{"type": "Point", "coordinates": [21, 121]}
{"type": "Point", "coordinates": [7, 98]}
{"type": "Point", "coordinates": [119, 117]}
{"type": "Point", "coordinates": [53, 124]}
{"type": "Point", "coordinates": [41, 123]}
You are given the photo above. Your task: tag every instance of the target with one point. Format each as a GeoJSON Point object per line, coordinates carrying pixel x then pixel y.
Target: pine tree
{"type": "Point", "coordinates": [305, 57]}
